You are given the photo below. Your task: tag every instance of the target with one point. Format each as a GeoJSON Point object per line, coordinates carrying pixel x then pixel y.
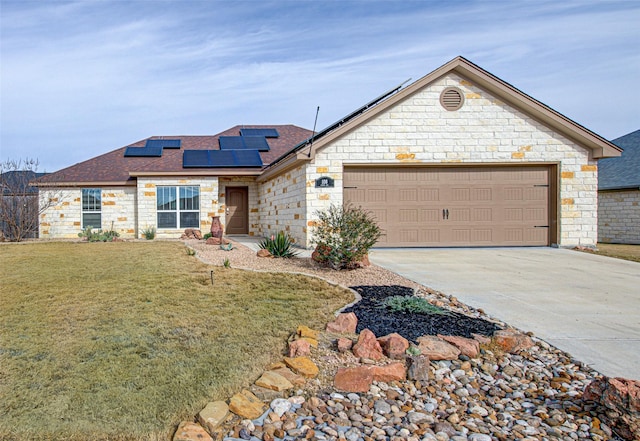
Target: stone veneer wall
{"type": "Point", "coordinates": [252, 187]}
{"type": "Point", "coordinates": [619, 216]}
{"type": "Point", "coordinates": [419, 130]}
{"type": "Point", "coordinates": [281, 205]}
{"type": "Point", "coordinates": [64, 219]}
{"type": "Point", "coordinates": [147, 203]}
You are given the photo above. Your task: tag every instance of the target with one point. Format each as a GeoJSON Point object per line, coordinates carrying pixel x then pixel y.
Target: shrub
{"type": "Point", "coordinates": [344, 235]}
{"type": "Point", "coordinates": [207, 236]}
{"type": "Point", "coordinates": [280, 245]}
{"type": "Point", "coordinates": [411, 304]}
{"type": "Point", "coordinates": [98, 235]}
{"type": "Point", "coordinates": [149, 233]}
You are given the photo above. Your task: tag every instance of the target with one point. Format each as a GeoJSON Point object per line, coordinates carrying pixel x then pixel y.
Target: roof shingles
{"type": "Point", "coordinates": [114, 167]}
{"type": "Point", "coordinates": [624, 171]}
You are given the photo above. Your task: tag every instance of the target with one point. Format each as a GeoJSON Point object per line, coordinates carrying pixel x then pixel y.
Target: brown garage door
{"type": "Point", "coordinates": [461, 206]}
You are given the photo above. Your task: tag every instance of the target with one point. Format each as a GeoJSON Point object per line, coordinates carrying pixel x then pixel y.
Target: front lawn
{"type": "Point", "coordinates": [122, 341]}
{"type": "Point", "coordinates": [619, 251]}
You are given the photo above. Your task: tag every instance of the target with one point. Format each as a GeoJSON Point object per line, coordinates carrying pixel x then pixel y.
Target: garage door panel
{"type": "Point", "coordinates": [464, 206]}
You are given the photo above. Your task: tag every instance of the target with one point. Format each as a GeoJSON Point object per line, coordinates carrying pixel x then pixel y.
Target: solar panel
{"type": "Point", "coordinates": [231, 143]}
{"type": "Point", "coordinates": [267, 133]}
{"type": "Point", "coordinates": [132, 152]}
{"type": "Point", "coordinates": [243, 143]}
{"type": "Point", "coordinates": [221, 158]}
{"type": "Point", "coordinates": [164, 143]}
{"type": "Point", "coordinates": [256, 143]}
{"type": "Point", "coordinates": [195, 158]}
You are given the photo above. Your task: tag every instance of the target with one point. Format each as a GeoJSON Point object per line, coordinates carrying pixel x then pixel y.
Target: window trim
{"type": "Point", "coordinates": [177, 203]}
{"type": "Point", "coordinates": [94, 209]}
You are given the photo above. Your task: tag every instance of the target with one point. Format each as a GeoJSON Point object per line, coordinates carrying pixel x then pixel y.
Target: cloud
{"type": "Point", "coordinates": [81, 78]}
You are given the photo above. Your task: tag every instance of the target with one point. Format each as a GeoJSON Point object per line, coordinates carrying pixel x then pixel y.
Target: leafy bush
{"type": "Point", "coordinates": [280, 245]}
{"type": "Point", "coordinates": [149, 233]}
{"type": "Point", "coordinates": [344, 236]}
{"type": "Point", "coordinates": [411, 304]}
{"type": "Point", "coordinates": [98, 235]}
{"type": "Point", "coordinates": [207, 236]}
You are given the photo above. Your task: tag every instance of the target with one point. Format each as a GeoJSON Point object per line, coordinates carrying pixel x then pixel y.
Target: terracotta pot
{"type": "Point", "coordinates": [216, 227]}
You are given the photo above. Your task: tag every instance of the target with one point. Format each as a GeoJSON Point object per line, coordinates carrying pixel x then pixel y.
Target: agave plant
{"type": "Point", "coordinates": [280, 245]}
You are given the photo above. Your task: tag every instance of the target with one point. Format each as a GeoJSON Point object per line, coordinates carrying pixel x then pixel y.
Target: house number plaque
{"type": "Point", "coordinates": [324, 182]}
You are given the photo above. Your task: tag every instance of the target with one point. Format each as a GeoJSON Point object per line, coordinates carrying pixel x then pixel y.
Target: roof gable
{"type": "Point", "coordinates": [502, 90]}
{"type": "Point", "coordinates": [624, 171]}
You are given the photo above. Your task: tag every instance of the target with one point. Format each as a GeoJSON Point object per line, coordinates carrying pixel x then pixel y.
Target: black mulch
{"type": "Point", "coordinates": [382, 321]}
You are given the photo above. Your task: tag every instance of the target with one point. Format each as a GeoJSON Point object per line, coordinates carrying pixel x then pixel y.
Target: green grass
{"type": "Point", "coordinates": [122, 341]}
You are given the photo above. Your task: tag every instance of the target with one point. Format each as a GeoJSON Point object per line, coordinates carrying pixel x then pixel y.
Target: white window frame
{"type": "Point", "coordinates": [179, 205]}
{"type": "Point", "coordinates": [95, 208]}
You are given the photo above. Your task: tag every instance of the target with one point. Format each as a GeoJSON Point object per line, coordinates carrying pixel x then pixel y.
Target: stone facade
{"type": "Point", "coordinates": [64, 219]}
{"type": "Point", "coordinates": [485, 130]}
{"type": "Point", "coordinates": [619, 216]}
{"type": "Point", "coordinates": [282, 204]}
{"type": "Point", "coordinates": [147, 203]}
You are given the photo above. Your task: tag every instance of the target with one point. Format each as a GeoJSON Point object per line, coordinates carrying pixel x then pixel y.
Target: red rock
{"type": "Point", "coordinates": [512, 341]}
{"type": "Point", "coordinates": [299, 348]}
{"type": "Point", "coordinates": [482, 339]}
{"type": "Point", "coordinates": [622, 396]}
{"type": "Point", "coordinates": [467, 346]}
{"type": "Point", "coordinates": [190, 431]}
{"type": "Point", "coordinates": [367, 346]}
{"type": "Point", "coordinates": [263, 253]}
{"type": "Point", "coordinates": [390, 372]}
{"type": "Point", "coordinates": [213, 241]}
{"type": "Point", "coordinates": [437, 349]}
{"type": "Point", "coordinates": [364, 262]}
{"type": "Point", "coordinates": [344, 344]}
{"type": "Point", "coordinates": [394, 345]}
{"type": "Point", "coordinates": [197, 234]}
{"type": "Point", "coordinates": [320, 253]}
{"type": "Point", "coordinates": [354, 379]}
{"type": "Point", "coordinates": [345, 323]}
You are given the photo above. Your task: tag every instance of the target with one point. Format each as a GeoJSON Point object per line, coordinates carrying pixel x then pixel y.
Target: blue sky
{"type": "Point", "coordinates": [82, 78]}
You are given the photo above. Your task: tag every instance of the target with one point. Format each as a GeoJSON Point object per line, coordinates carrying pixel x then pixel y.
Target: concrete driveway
{"type": "Point", "coordinates": [586, 305]}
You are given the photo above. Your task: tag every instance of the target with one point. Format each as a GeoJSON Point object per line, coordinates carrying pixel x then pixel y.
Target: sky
{"type": "Point", "coordinates": [82, 78]}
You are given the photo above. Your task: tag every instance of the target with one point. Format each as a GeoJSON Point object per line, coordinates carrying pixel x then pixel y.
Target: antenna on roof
{"type": "Point", "coordinates": [314, 132]}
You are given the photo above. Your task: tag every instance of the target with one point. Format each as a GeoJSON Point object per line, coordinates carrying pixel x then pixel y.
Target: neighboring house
{"type": "Point", "coordinates": [19, 204]}
{"type": "Point", "coordinates": [457, 158]}
{"type": "Point", "coordinates": [619, 193]}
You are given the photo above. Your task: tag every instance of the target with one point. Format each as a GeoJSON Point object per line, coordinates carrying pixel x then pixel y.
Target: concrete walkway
{"type": "Point", "coordinates": [586, 305]}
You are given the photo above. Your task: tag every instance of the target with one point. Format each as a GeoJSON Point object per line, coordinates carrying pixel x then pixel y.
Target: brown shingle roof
{"type": "Point", "coordinates": [115, 168]}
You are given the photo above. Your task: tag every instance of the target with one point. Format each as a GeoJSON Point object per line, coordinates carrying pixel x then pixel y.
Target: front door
{"type": "Point", "coordinates": [237, 211]}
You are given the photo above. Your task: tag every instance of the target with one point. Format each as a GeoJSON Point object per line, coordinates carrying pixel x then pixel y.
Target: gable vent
{"type": "Point", "coordinates": [451, 98]}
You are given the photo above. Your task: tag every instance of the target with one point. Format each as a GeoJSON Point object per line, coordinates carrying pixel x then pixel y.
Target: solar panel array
{"type": "Point", "coordinates": [267, 133]}
{"type": "Point", "coordinates": [221, 158]}
{"type": "Point", "coordinates": [244, 143]}
{"type": "Point", "coordinates": [153, 148]}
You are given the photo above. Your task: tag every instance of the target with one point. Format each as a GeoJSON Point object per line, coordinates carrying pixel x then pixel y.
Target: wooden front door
{"type": "Point", "coordinates": [237, 210]}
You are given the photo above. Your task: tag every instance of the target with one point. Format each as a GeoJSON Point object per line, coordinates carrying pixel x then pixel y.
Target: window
{"type": "Point", "coordinates": [91, 208]}
{"type": "Point", "coordinates": [178, 205]}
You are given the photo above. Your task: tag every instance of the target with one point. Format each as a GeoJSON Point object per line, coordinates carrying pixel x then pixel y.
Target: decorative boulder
{"type": "Point", "coordinates": [512, 341]}
{"type": "Point", "coordinates": [367, 346]}
{"type": "Point", "coordinates": [621, 398]}
{"type": "Point", "coordinates": [394, 345]}
{"type": "Point", "coordinates": [437, 349]}
{"type": "Point", "coordinates": [345, 323]}
{"type": "Point", "coordinates": [263, 253]}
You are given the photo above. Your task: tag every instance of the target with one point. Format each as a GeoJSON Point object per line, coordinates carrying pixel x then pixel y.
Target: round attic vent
{"type": "Point", "coordinates": [451, 98]}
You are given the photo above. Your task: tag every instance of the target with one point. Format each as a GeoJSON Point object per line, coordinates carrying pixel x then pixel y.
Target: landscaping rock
{"type": "Point", "coordinates": [394, 346]}
{"type": "Point", "coordinates": [299, 348]}
{"type": "Point", "coordinates": [390, 372]}
{"type": "Point", "coordinates": [213, 241]}
{"type": "Point", "coordinates": [274, 381]}
{"type": "Point", "coordinates": [344, 344]}
{"type": "Point", "coordinates": [418, 368]}
{"type": "Point", "coordinates": [263, 253]}
{"type": "Point", "coordinates": [354, 379]}
{"type": "Point", "coordinates": [512, 341]}
{"type": "Point", "coordinates": [246, 405]}
{"type": "Point", "coordinates": [305, 331]}
{"type": "Point", "coordinates": [345, 323]}
{"type": "Point", "coordinates": [436, 348]}
{"type": "Point", "coordinates": [190, 431]}
{"type": "Point", "coordinates": [213, 415]}
{"type": "Point", "coordinates": [302, 366]}
{"type": "Point", "coordinates": [287, 373]}
{"type": "Point", "coordinates": [367, 346]}
{"type": "Point", "coordinates": [622, 398]}
{"type": "Point", "coordinates": [467, 346]}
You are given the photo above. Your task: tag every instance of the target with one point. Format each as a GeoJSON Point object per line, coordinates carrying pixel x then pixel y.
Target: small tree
{"type": "Point", "coordinates": [19, 204]}
{"type": "Point", "coordinates": [344, 235]}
